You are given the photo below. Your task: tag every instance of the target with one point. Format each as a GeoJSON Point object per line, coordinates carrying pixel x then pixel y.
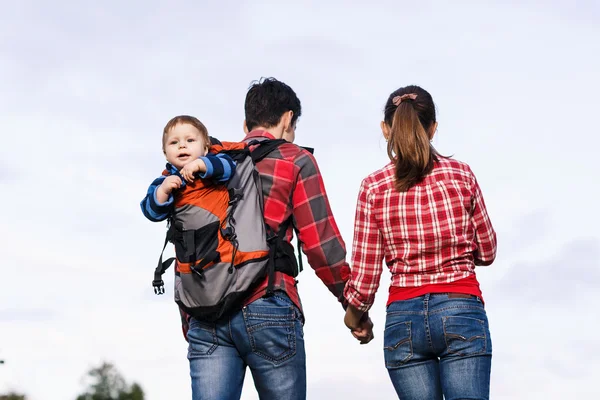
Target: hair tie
{"type": "Point", "coordinates": [398, 99]}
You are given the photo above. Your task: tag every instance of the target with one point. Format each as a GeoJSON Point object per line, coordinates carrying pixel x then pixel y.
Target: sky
{"type": "Point", "coordinates": [86, 88]}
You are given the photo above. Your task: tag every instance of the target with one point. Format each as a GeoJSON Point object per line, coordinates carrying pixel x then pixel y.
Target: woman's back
{"type": "Point", "coordinates": [425, 215]}
{"type": "Point", "coordinates": [434, 232]}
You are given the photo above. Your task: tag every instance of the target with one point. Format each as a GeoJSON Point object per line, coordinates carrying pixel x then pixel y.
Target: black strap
{"type": "Point", "coordinates": [299, 243]}
{"type": "Point", "coordinates": [189, 242]}
{"type": "Point", "coordinates": [277, 244]}
{"type": "Point", "coordinates": [157, 283]}
{"type": "Point", "coordinates": [198, 269]}
{"type": "Point", "coordinates": [214, 140]}
{"type": "Point", "coordinates": [267, 146]}
{"type": "Point", "coordinates": [264, 147]}
{"type": "Point", "coordinates": [300, 267]}
{"type": "Point", "coordinates": [311, 150]}
{"type": "Point", "coordinates": [271, 273]}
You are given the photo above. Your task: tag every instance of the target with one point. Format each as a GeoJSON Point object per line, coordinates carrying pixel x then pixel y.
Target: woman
{"type": "Point", "coordinates": [425, 214]}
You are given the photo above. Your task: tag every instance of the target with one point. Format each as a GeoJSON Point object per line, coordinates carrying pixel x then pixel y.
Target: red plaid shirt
{"type": "Point", "coordinates": [431, 236]}
{"type": "Point", "coordinates": [293, 186]}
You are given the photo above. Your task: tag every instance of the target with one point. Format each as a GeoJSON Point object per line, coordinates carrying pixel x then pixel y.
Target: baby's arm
{"type": "Point", "coordinates": [218, 167]}
{"type": "Point", "coordinates": [158, 203]}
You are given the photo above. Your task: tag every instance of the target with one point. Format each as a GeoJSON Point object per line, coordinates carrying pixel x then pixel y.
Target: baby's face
{"type": "Point", "coordinates": [184, 143]}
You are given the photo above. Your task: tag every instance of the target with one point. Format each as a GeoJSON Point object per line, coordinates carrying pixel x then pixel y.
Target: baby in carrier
{"type": "Point", "coordinates": [195, 175]}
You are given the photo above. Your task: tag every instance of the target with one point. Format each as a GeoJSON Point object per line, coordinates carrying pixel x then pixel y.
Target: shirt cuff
{"type": "Point", "coordinates": [209, 168]}
{"type": "Point", "coordinates": [354, 298]}
{"type": "Point", "coordinates": [165, 204]}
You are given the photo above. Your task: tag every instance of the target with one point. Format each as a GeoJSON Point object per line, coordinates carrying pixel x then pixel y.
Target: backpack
{"type": "Point", "coordinates": [225, 248]}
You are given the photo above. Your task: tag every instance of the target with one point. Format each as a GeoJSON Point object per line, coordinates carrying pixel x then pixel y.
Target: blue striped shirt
{"type": "Point", "coordinates": [219, 167]}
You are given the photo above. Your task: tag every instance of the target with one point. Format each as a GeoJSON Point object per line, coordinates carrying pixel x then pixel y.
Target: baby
{"type": "Point", "coordinates": [185, 144]}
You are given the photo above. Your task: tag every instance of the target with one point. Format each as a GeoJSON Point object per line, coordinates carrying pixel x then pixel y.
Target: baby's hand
{"type": "Point", "coordinates": [191, 168]}
{"type": "Point", "coordinates": [170, 183]}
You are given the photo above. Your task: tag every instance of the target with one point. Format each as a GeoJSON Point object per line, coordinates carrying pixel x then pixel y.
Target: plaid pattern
{"type": "Point", "coordinates": [292, 185]}
{"type": "Point", "coordinates": [435, 233]}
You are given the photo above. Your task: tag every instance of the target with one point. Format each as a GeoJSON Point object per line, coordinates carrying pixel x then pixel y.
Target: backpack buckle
{"type": "Point", "coordinates": [235, 195]}
{"type": "Point", "coordinates": [159, 286]}
{"type": "Point", "coordinates": [228, 233]}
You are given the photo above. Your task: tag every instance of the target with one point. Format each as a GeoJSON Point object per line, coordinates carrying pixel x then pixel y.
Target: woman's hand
{"type": "Point", "coordinates": [359, 324]}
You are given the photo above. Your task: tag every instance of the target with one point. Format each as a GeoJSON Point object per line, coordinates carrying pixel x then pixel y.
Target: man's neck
{"type": "Point", "coordinates": [275, 131]}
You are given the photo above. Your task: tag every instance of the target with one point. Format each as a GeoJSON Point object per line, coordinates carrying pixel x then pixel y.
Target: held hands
{"type": "Point", "coordinates": [192, 168]}
{"type": "Point", "coordinates": [359, 324]}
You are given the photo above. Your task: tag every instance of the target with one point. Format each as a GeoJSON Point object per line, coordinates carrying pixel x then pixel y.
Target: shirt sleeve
{"type": "Point", "coordinates": [219, 167]}
{"type": "Point", "coordinates": [367, 254]}
{"type": "Point", "coordinates": [485, 236]}
{"type": "Point", "coordinates": [151, 208]}
{"type": "Point", "coordinates": [317, 230]}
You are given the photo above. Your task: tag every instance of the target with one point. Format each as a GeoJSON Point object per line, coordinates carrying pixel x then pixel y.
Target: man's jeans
{"type": "Point", "coordinates": [266, 335]}
{"type": "Point", "coordinates": [436, 345]}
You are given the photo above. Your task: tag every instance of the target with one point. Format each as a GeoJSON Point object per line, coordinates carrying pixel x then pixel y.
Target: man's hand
{"type": "Point", "coordinates": [364, 334]}
{"type": "Point", "coordinates": [191, 168]}
{"type": "Point", "coordinates": [171, 182]}
{"type": "Point", "coordinates": [359, 324]}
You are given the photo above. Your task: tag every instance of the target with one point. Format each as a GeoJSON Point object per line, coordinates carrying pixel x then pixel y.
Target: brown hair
{"type": "Point", "coordinates": [186, 119]}
{"type": "Point", "coordinates": [410, 113]}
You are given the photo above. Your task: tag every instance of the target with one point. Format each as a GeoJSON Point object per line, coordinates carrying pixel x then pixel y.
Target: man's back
{"type": "Point", "coordinates": [293, 188]}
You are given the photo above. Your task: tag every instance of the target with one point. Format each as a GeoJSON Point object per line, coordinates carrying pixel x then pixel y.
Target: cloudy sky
{"type": "Point", "coordinates": [86, 87]}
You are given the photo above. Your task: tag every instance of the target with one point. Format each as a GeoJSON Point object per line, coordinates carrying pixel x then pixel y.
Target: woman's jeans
{"type": "Point", "coordinates": [438, 344]}
{"type": "Point", "coordinates": [266, 335]}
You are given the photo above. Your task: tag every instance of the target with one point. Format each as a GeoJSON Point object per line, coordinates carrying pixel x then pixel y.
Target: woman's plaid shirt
{"type": "Point", "coordinates": [436, 232]}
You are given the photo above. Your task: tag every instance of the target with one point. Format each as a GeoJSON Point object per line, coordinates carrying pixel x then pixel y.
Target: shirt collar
{"type": "Point", "coordinates": [259, 133]}
{"type": "Point", "coordinates": [171, 170]}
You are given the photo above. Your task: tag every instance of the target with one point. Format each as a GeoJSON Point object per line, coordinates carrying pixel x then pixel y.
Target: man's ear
{"type": "Point", "coordinates": [246, 131]}
{"type": "Point", "coordinates": [286, 120]}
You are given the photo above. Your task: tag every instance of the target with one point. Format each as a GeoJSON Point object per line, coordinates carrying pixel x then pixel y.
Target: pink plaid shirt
{"type": "Point", "coordinates": [433, 234]}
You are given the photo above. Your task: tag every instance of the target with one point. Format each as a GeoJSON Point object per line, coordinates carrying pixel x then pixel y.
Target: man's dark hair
{"type": "Point", "coordinates": [266, 102]}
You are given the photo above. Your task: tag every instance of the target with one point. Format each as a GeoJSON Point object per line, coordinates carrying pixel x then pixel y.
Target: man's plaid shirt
{"type": "Point", "coordinates": [293, 186]}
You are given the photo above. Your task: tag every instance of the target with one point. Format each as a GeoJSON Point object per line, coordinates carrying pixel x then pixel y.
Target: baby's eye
{"type": "Point", "coordinates": [191, 140]}
{"type": "Point", "coordinates": [173, 142]}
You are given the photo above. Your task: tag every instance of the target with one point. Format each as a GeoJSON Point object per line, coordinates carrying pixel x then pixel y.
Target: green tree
{"type": "Point", "coordinates": [106, 383]}
{"type": "Point", "coordinates": [13, 396]}
{"type": "Point", "coordinates": [135, 393]}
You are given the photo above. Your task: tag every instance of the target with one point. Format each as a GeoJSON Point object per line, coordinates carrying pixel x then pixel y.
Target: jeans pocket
{"type": "Point", "coordinates": [202, 338]}
{"type": "Point", "coordinates": [271, 326]}
{"type": "Point", "coordinates": [397, 344]}
{"type": "Point", "coordinates": [465, 336]}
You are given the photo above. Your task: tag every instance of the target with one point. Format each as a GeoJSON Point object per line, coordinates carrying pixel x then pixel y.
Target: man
{"type": "Point", "coordinates": [266, 334]}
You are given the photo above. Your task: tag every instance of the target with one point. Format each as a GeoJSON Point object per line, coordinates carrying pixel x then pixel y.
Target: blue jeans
{"type": "Point", "coordinates": [437, 345]}
{"type": "Point", "coordinates": [267, 336]}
